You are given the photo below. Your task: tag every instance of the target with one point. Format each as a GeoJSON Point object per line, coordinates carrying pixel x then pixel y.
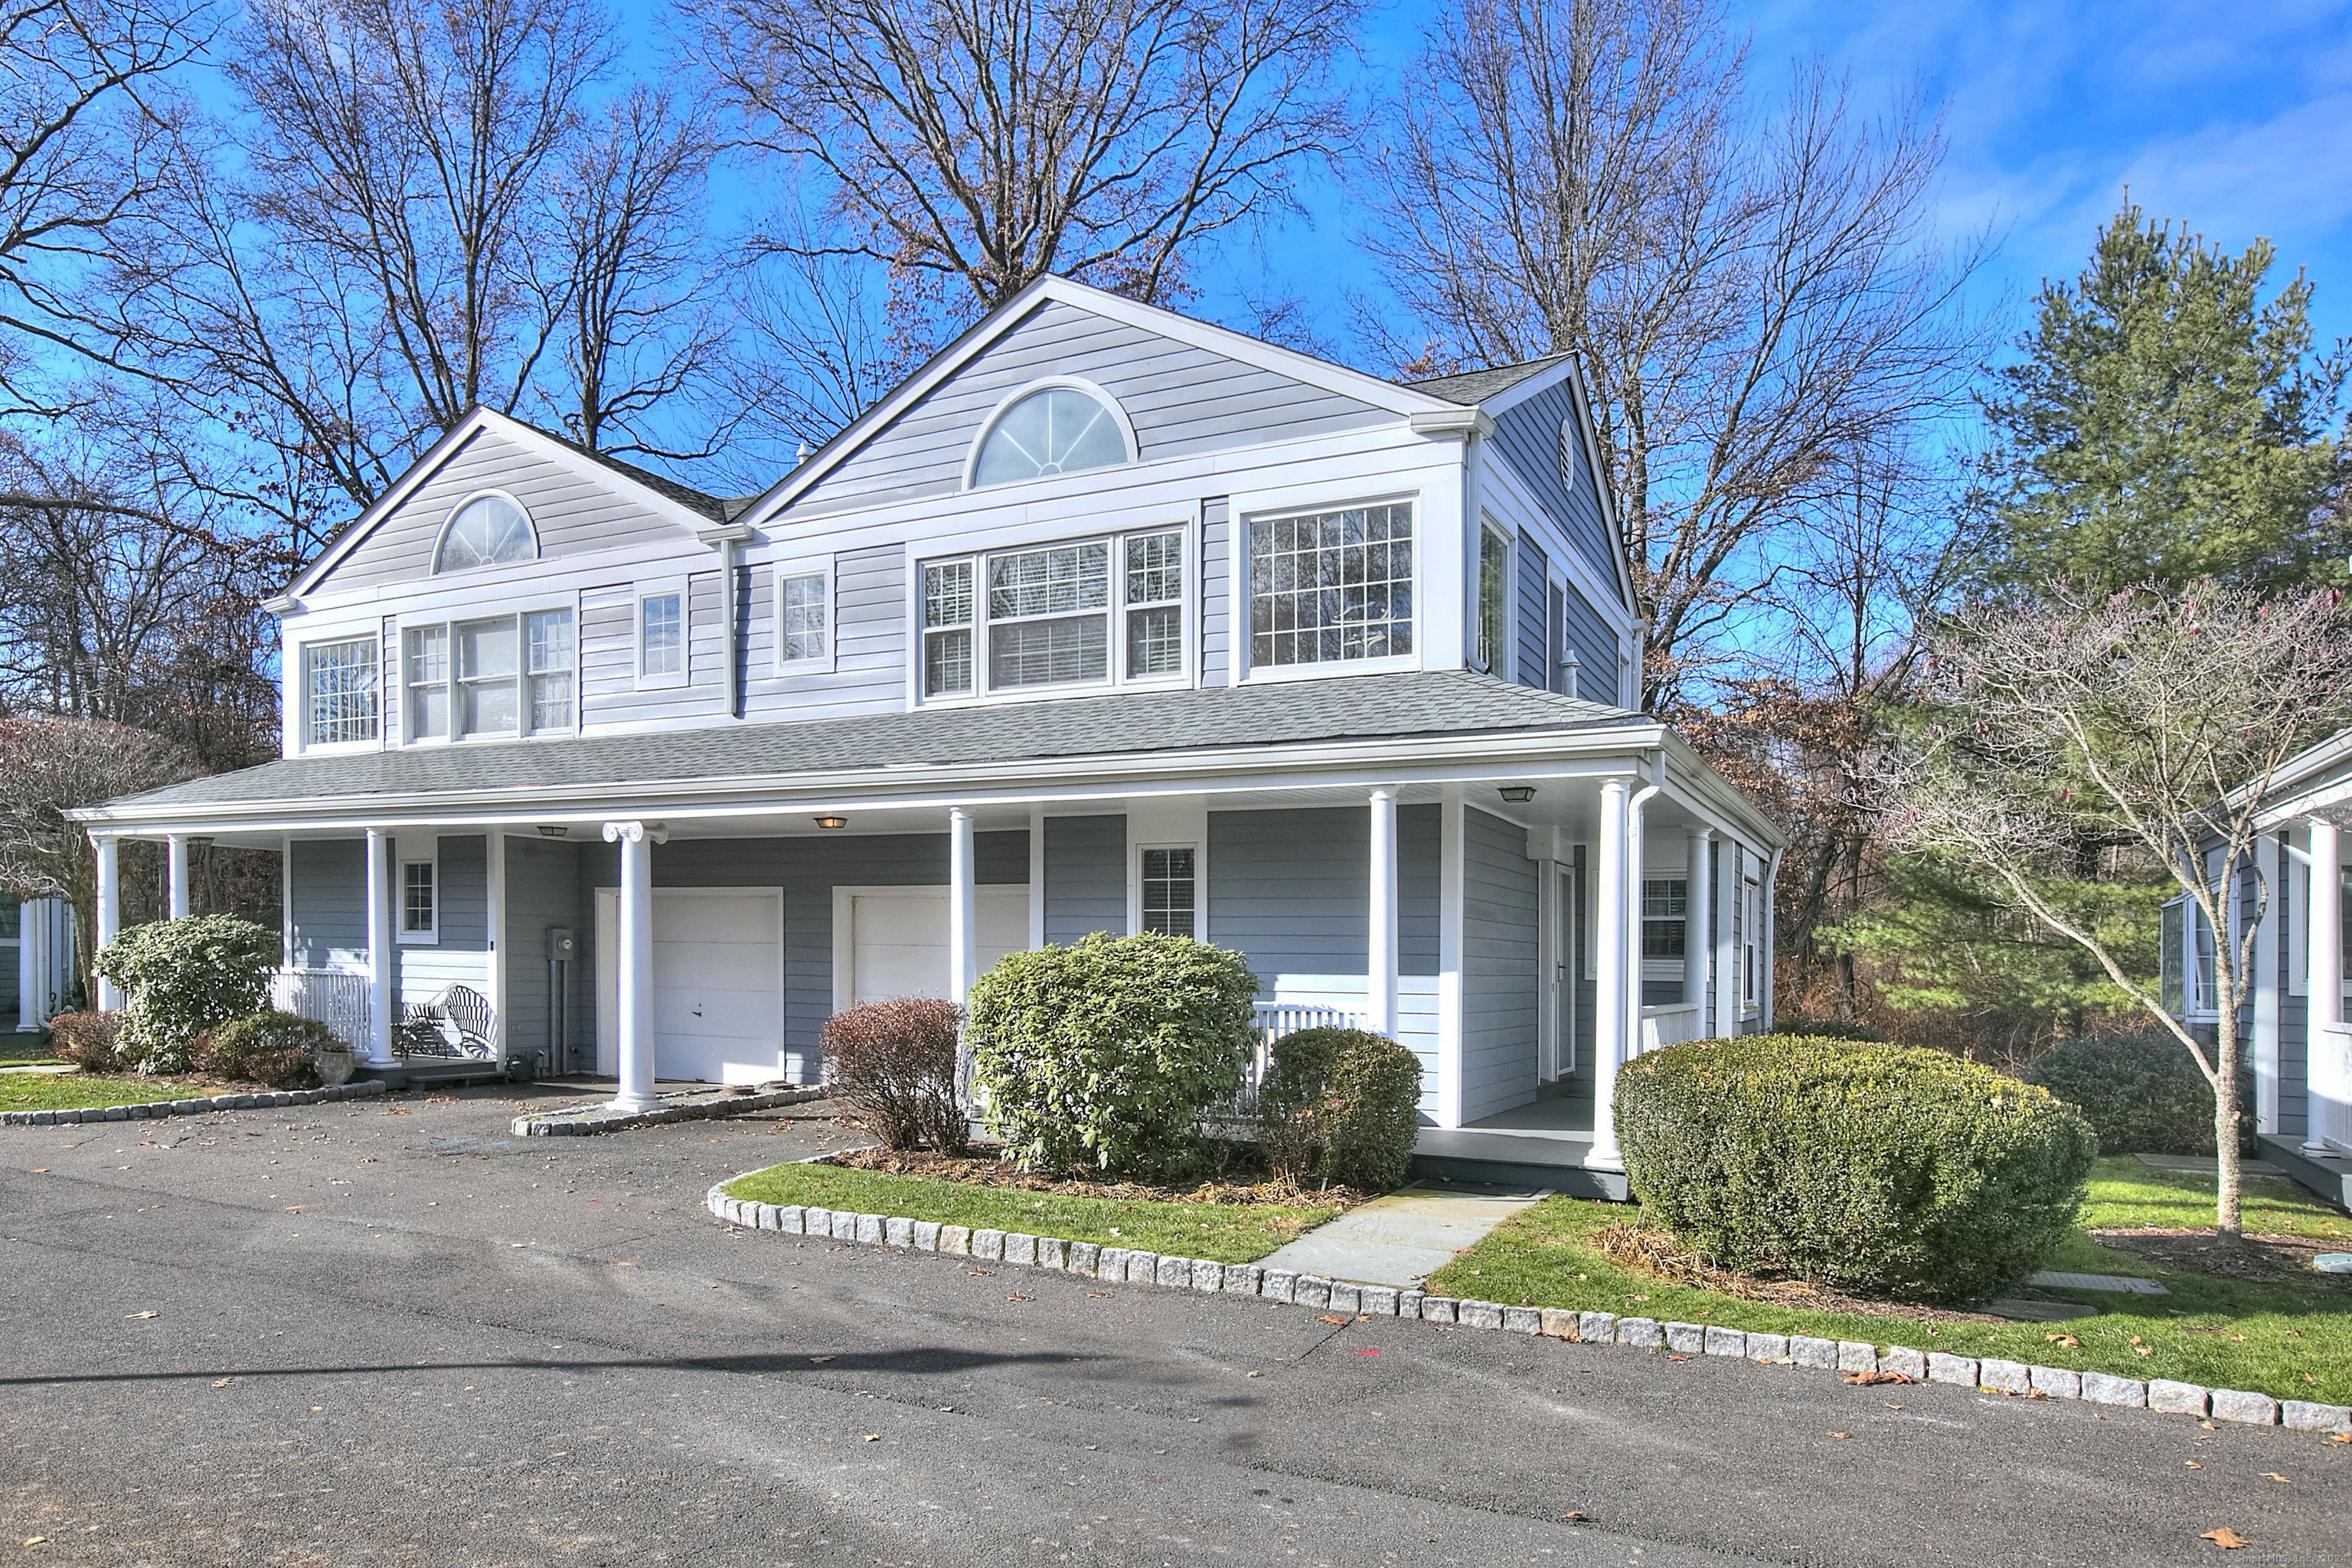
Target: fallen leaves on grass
{"type": "Point", "coordinates": [2069, 1340]}
{"type": "Point", "coordinates": [2225, 1538]}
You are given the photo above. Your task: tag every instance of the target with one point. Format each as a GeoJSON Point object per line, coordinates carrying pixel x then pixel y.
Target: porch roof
{"type": "Point", "coordinates": [1426, 704]}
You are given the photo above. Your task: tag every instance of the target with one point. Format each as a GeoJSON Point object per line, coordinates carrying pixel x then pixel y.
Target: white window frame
{"type": "Point", "coordinates": [823, 659]}
{"type": "Point", "coordinates": [373, 637]}
{"type": "Point", "coordinates": [1663, 968]}
{"type": "Point", "coordinates": [1496, 660]}
{"type": "Point", "coordinates": [1136, 912]}
{"type": "Point", "coordinates": [1116, 675]}
{"type": "Point", "coordinates": [441, 535]}
{"type": "Point", "coordinates": [664, 680]}
{"type": "Point", "coordinates": [1012, 399]}
{"type": "Point", "coordinates": [450, 683]}
{"type": "Point", "coordinates": [1250, 515]}
{"type": "Point", "coordinates": [431, 935]}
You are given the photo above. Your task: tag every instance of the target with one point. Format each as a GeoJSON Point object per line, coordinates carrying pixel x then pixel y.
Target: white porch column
{"type": "Point", "coordinates": [1768, 922]}
{"type": "Point", "coordinates": [2323, 966]}
{"type": "Point", "coordinates": [380, 953]}
{"type": "Point", "coordinates": [634, 1001]}
{"type": "Point", "coordinates": [1381, 975]}
{"type": "Point", "coordinates": [1731, 872]}
{"type": "Point", "coordinates": [1609, 970]}
{"type": "Point", "coordinates": [178, 860]}
{"type": "Point", "coordinates": [2268, 981]}
{"type": "Point", "coordinates": [964, 931]}
{"type": "Point", "coordinates": [32, 961]}
{"type": "Point", "coordinates": [1696, 912]}
{"type": "Point", "coordinates": [108, 916]}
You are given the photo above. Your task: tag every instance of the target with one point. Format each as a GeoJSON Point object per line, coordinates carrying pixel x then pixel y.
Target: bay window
{"type": "Point", "coordinates": [1331, 585]}
{"type": "Point", "coordinates": [339, 692]}
{"type": "Point", "coordinates": [1085, 611]}
{"type": "Point", "coordinates": [497, 677]}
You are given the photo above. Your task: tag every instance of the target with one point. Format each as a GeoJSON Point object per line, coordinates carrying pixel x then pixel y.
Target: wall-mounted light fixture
{"type": "Point", "coordinates": [552, 830]}
{"type": "Point", "coordinates": [830, 822]}
{"type": "Point", "coordinates": [1517, 795]}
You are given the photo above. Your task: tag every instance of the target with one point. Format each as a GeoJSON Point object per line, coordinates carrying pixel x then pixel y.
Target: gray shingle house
{"type": "Point", "coordinates": [1106, 620]}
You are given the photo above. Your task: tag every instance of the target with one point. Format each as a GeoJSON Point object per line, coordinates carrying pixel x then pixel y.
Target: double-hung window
{"type": "Point", "coordinates": [419, 908]}
{"type": "Point", "coordinates": [490, 678]}
{"type": "Point", "coordinates": [1170, 892]}
{"type": "Point", "coordinates": [803, 616]}
{"type": "Point", "coordinates": [1331, 585]}
{"type": "Point", "coordinates": [1086, 612]}
{"type": "Point", "coordinates": [661, 636]}
{"type": "Point", "coordinates": [1494, 599]}
{"type": "Point", "coordinates": [1665, 918]}
{"type": "Point", "coordinates": [339, 692]}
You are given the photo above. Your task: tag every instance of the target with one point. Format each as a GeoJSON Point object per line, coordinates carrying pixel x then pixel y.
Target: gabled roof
{"type": "Point", "coordinates": [1471, 387]}
{"type": "Point", "coordinates": [689, 507]}
{"type": "Point", "coordinates": [1403, 400]}
{"type": "Point", "coordinates": [1397, 706]}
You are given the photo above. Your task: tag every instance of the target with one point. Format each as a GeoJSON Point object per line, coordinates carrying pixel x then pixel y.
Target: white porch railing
{"type": "Point", "coordinates": [336, 997]}
{"type": "Point", "coordinates": [1273, 1020]}
{"type": "Point", "coordinates": [1669, 1025]}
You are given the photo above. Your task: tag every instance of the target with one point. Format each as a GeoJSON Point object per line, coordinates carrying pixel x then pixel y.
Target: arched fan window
{"type": "Point", "coordinates": [1055, 431]}
{"type": "Point", "coordinates": [488, 531]}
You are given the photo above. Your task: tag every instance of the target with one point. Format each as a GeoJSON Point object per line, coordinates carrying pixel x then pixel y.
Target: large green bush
{"type": "Point", "coordinates": [1342, 1104]}
{"type": "Point", "coordinates": [1104, 1054]}
{"type": "Point", "coordinates": [2143, 1092]}
{"type": "Point", "coordinates": [184, 977]}
{"type": "Point", "coordinates": [1879, 1169]}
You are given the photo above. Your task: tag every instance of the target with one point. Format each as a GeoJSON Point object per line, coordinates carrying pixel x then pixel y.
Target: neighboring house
{"type": "Point", "coordinates": [1105, 620]}
{"type": "Point", "coordinates": [36, 961]}
{"type": "Point", "coordinates": [2303, 1078]}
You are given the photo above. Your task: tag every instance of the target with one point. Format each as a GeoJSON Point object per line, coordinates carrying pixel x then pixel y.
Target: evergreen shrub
{"type": "Point", "coordinates": [1876, 1168]}
{"type": "Point", "coordinates": [1342, 1104]}
{"type": "Point", "coordinates": [1103, 1055]}
{"type": "Point", "coordinates": [2143, 1092]}
{"type": "Point", "coordinates": [278, 1050]}
{"type": "Point", "coordinates": [184, 977]}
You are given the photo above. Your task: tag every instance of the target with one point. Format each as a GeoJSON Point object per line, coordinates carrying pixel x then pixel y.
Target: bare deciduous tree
{"type": "Point", "coordinates": [1754, 293]}
{"type": "Point", "coordinates": [84, 116]}
{"type": "Point", "coordinates": [2149, 720]}
{"type": "Point", "coordinates": [993, 141]}
{"type": "Point", "coordinates": [50, 765]}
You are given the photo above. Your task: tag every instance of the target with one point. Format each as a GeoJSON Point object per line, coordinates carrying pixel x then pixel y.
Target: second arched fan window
{"type": "Point", "coordinates": [1059, 430]}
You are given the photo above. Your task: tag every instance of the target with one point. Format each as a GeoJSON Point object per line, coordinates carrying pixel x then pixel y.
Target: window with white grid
{"type": "Point", "coordinates": [947, 628]}
{"type": "Point", "coordinates": [1155, 610]}
{"type": "Point", "coordinates": [1171, 902]}
{"type": "Point", "coordinates": [550, 656]}
{"type": "Point", "coordinates": [1046, 616]}
{"type": "Point", "coordinates": [661, 635]}
{"type": "Point", "coordinates": [1331, 585]}
{"type": "Point", "coordinates": [338, 680]}
{"type": "Point", "coordinates": [490, 679]}
{"type": "Point", "coordinates": [801, 615]}
{"type": "Point", "coordinates": [1049, 616]}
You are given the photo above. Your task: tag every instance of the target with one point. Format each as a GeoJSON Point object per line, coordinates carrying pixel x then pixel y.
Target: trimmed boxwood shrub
{"type": "Point", "coordinates": [894, 1063]}
{"type": "Point", "coordinates": [1342, 1104]}
{"type": "Point", "coordinates": [277, 1049]}
{"type": "Point", "coordinates": [2143, 1092]}
{"type": "Point", "coordinates": [1876, 1168]}
{"type": "Point", "coordinates": [1104, 1054]}
{"type": "Point", "coordinates": [184, 977]}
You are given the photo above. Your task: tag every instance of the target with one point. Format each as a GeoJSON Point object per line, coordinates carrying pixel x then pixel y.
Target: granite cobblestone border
{"type": "Point", "coordinates": [155, 1109]}
{"type": "Point", "coordinates": [580, 1121]}
{"type": "Point", "coordinates": [1849, 1357]}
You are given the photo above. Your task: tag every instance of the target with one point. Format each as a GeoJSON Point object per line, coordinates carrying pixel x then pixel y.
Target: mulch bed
{"type": "Point", "coordinates": [2264, 1259]}
{"type": "Point", "coordinates": [1661, 1256]}
{"type": "Point", "coordinates": [984, 1168]}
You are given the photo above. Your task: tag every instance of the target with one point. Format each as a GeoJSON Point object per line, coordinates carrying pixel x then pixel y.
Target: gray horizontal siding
{"type": "Point", "coordinates": [1595, 646]}
{"type": "Point", "coordinates": [1181, 399]}
{"type": "Point", "coordinates": [327, 900]}
{"type": "Point", "coordinates": [544, 893]}
{"type": "Point", "coordinates": [1085, 876]}
{"type": "Point", "coordinates": [572, 513]}
{"type": "Point", "coordinates": [1498, 967]}
{"type": "Point", "coordinates": [1216, 590]}
{"type": "Point", "coordinates": [1534, 585]}
{"type": "Point", "coordinates": [1553, 462]}
{"type": "Point", "coordinates": [1292, 890]}
{"type": "Point", "coordinates": [869, 642]}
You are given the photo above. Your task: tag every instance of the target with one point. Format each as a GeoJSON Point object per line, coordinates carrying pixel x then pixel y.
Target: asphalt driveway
{"type": "Point", "coordinates": [384, 1331]}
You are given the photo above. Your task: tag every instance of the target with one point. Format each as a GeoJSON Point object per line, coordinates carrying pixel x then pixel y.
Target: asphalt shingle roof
{"type": "Point", "coordinates": [1475, 387]}
{"type": "Point", "coordinates": [1428, 703]}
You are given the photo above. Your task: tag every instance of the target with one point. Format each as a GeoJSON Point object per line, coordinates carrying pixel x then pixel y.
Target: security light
{"type": "Point", "coordinates": [832, 822]}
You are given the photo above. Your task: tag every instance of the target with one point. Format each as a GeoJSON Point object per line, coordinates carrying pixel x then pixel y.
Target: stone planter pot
{"type": "Point", "coordinates": [336, 1066]}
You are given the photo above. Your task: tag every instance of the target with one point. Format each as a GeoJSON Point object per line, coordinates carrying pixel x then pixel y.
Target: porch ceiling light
{"type": "Point", "coordinates": [829, 822]}
{"type": "Point", "coordinates": [552, 830]}
{"type": "Point", "coordinates": [1518, 794]}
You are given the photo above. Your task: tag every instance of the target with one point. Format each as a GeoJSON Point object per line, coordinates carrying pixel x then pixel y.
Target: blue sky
{"type": "Point", "coordinates": [2236, 117]}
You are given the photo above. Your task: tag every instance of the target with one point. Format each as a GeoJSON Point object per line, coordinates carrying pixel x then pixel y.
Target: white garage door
{"type": "Point", "coordinates": [718, 983]}
{"type": "Point", "coordinates": [893, 941]}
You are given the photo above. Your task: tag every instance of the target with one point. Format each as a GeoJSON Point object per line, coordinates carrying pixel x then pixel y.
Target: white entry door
{"type": "Point", "coordinates": [718, 983]}
{"type": "Point", "coordinates": [893, 941]}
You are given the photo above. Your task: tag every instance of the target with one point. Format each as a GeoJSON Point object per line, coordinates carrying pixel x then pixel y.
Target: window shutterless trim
{"type": "Point", "coordinates": [306, 719]}
{"type": "Point", "coordinates": [451, 683]}
{"type": "Point", "coordinates": [429, 935]}
{"type": "Point", "coordinates": [646, 593]}
{"type": "Point", "coordinates": [822, 658]}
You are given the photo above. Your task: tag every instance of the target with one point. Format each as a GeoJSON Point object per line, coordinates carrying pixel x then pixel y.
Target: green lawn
{"type": "Point", "coordinates": [71, 1092]}
{"type": "Point", "coordinates": [2292, 1341]}
{"type": "Point", "coordinates": [1223, 1233]}
{"type": "Point", "coordinates": [25, 1050]}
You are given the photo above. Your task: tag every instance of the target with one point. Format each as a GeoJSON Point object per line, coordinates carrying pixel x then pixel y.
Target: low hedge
{"type": "Point", "coordinates": [1105, 1053]}
{"type": "Point", "coordinates": [278, 1051]}
{"type": "Point", "coordinates": [2143, 1092]}
{"type": "Point", "coordinates": [1342, 1104]}
{"type": "Point", "coordinates": [1876, 1168]}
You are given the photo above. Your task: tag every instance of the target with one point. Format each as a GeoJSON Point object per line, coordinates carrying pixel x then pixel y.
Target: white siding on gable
{"type": "Point", "coordinates": [1216, 591]}
{"type": "Point", "coordinates": [610, 693]}
{"type": "Point", "coordinates": [573, 512]}
{"type": "Point", "coordinates": [868, 641]}
{"type": "Point", "coordinates": [1182, 400]}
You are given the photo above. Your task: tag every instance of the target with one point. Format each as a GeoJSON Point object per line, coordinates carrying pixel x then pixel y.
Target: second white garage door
{"type": "Point", "coordinates": [718, 983]}
{"type": "Point", "coordinates": [893, 941]}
